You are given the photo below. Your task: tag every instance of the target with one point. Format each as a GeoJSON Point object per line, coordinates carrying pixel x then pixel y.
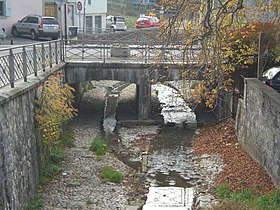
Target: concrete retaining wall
{"type": "Point", "coordinates": [258, 126]}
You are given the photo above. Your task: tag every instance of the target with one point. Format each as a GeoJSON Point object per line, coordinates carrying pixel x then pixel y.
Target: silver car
{"type": "Point", "coordinates": [37, 26]}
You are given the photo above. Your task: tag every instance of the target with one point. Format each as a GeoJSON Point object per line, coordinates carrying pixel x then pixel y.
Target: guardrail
{"type": "Point", "coordinates": [21, 61]}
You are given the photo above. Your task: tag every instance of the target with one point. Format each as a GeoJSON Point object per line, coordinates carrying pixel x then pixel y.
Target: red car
{"type": "Point", "coordinates": [147, 22]}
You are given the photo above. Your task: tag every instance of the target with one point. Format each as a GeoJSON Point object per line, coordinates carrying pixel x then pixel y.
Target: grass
{"type": "Point", "coordinates": [98, 146]}
{"type": "Point", "coordinates": [108, 174]}
{"type": "Point", "coordinates": [246, 199]}
{"type": "Point", "coordinates": [130, 21]}
{"type": "Point", "coordinates": [56, 154]}
{"type": "Point", "coordinates": [68, 138]}
{"type": "Point", "coordinates": [36, 203]}
{"type": "Point", "coordinates": [52, 167]}
{"type": "Point", "coordinates": [89, 86]}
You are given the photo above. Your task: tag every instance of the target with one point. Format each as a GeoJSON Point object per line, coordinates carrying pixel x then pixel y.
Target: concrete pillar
{"type": "Point", "coordinates": [144, 100]}
{"type": "Point", "coordinates": [79, 91]}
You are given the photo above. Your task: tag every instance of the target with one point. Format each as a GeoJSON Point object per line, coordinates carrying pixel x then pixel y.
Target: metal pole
{"type": "Point", "coordinates": [24, 60]}
{"type": "Point", "coordinates": [84, 20]}
{"type": "Point", "coordinates": [43, 58]}
{"type": "Point", "coordinates": [65, 22]}
{"type": "Point", "coordinates": [50, 55]}
{"type": "Point", "coordinates": [35, 60]}
{"type": "Point", "coordinates": [12, 68]}
{"type": "Point", "coordinates": [79, 21]}
{"type": "Point", "coordinates": [260, 55]}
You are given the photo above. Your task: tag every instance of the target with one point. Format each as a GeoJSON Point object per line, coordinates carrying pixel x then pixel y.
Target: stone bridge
{"type": "Point", "coordinates": [143, 75]}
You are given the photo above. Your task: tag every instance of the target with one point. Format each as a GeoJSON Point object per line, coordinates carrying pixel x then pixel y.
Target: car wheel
{"type": "Point", "coordinates": [15, 32]}
{"type": "Point", "coordinates": [113, 29]}
{"type": "Point", "coordinates": [33, 35]}
{"type": "Point", "coordinates": [54, 38]}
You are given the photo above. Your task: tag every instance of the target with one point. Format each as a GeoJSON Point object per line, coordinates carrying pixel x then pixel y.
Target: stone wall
{"type": "Point", "coordinates": [258, 125]}
{"type": "Point", "coordinates": [19, 171]}
{"type": "Point", "coordinates": [18, 157]}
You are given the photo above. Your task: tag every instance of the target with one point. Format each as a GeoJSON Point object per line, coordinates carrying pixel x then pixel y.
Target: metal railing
{"type": "Point", "coordinates": [21, 61]}
{"type": "Point", "coordinates": [106, 52]}
{"type": "Point", "coordinates": [135, 47]}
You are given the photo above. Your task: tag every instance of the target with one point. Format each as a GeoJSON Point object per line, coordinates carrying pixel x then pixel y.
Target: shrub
{"type": "Point", "coordinates": [89, 86]}
{"type": "Point", "coordinates": [36, 203]}
{"type": "Point", "coordinates": [51, 169]}
{"type": "Point", "coordinates": [56, 154]}
{"type": "Point", "coordinates": [99, 146]}
{"type": "Point", "coordinates": [68, 138]}
{"type": "Point", "coordinates": [110, 175]}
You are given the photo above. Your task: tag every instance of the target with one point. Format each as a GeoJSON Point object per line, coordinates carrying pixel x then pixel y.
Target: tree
{"type": "Point", "coordinates": [226, 33]}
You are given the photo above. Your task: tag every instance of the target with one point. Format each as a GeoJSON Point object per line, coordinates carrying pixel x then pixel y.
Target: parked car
{"type": "Point", "coordinates": [271, 77]}
{"type": "Point", "coordinates": [37, 26]}
{"type": "Point", "coordinates": [2, 34]}
{"type": "Point", "coordinates": [147, 22]}
{"type": "Point", "coordinates": [115, 23]}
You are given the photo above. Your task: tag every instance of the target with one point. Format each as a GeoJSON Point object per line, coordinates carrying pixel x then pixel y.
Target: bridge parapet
{"type": "Point", "coordinates": [129, 52]}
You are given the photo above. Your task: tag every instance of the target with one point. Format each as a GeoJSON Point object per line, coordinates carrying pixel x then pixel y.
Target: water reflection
{"type": "Point", "coordinates": [170, 162]}
{"type": "Point", "coordinates": [174, 108]}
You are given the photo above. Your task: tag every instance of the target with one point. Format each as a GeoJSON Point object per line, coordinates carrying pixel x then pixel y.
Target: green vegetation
{"type": "Point", "coordinates": [68, 138]}
{"type": "Point", "coordinates": [52, 167]}
{"type": "Point", "coordinates": [108, 174]}
{"type": "Point", "coordinates": [36, 203]}
{"type": "Point", "coordinates": [130, 21]}
{"type": "Point", "coordinates": [120, 45]}
{"type": "Point", "coordinates": [89, 86]}
{"type": "Point", "coordinates": [56, 154]}
{"type": "Point", "coordinates": [98, 146]}
{"type": "Point", "coordinates": [246, 199]}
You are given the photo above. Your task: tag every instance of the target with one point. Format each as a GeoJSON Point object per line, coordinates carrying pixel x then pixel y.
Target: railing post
{"type": "Point", "coordinates": [83, 50]}
{"type": "Point", "coordinates": [104, 56]}
{"type": "Point", "coordinates": [43, 58]}
{"type": "Point", "coordinates": [24, 59]}
{"type": "Point", "coordinates": [61, 50]}
{"type": "Point", "coordinates": [56, 55]}
{"type": "Point", "coordinates": [51, 57]}
{"type": "Point", "coordinates": [35, 60]}
{"type": "Point", "coordinates": [146, 51]}
{"type": "Point", "coordinates": [12, 68]}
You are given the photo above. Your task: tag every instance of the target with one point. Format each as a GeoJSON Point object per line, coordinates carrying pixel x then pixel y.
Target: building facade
{"type": "Point", "coordinates": [85, 15]}
{"type": "Point", "coordinates": [13, 10]}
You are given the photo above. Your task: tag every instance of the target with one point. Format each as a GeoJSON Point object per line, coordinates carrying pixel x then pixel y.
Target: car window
{"type": "Point", "coordinates": [33, 20]}
{"type": "Point", "coordinates": [50, 21]}
{"type": "Point", "coordinates": [120, 19]}
{"type": "Point", "coordinates": [277, 77]}
{"type": "Point", "coordinates": [24, 20]}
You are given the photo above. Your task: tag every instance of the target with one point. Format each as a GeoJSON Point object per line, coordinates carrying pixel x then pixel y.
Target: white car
{"type": "Point", "coordinates": [115, 23]}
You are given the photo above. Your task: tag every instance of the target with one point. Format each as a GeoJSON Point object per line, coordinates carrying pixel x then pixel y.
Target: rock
{"type": "Point", "coordinates": [203, 202]}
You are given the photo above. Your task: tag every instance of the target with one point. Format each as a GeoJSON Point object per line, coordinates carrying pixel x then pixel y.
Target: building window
{"type": "Point", "coordinates": [89, 2]}
{"type": "Point", "coordinates": [2, 8]}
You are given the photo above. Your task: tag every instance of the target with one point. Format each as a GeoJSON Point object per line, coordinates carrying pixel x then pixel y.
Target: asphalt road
{"type": "Point", "coordinates": [22, 41]}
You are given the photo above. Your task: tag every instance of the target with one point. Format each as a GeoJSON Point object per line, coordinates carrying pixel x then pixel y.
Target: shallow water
{"type": "Point", "coordinates": [170, 160]}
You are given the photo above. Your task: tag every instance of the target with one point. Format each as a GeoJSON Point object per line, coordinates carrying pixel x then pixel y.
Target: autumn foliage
{"type": "Point", "coordinates": [53, 108]}
{"type": "Point", "coordinates": [226, 32]}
